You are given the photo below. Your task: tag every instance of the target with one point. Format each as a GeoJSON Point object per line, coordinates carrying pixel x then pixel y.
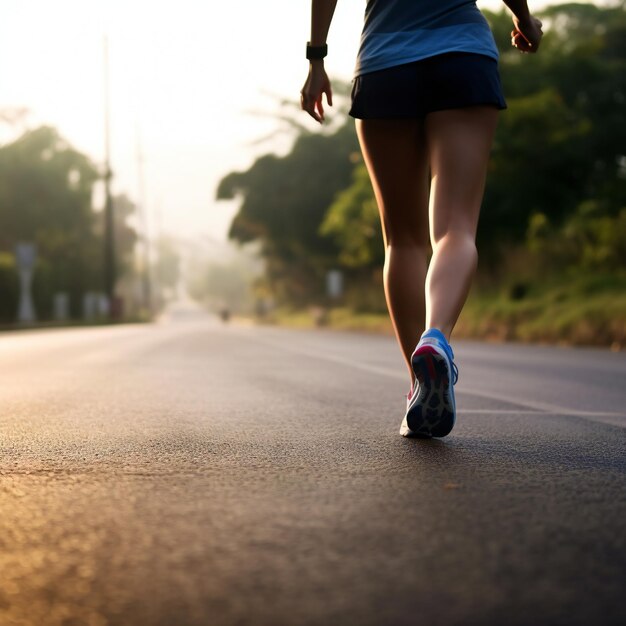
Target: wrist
{"type": "Point", "coordinates": [316, 52]}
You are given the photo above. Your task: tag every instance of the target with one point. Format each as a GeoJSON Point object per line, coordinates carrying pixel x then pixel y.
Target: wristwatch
{"type": "Point", "coordinates": [316, 52]}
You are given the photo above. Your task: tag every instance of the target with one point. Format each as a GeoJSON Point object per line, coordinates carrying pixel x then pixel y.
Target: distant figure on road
{"type": "Point", "coordinates": [426, 98]}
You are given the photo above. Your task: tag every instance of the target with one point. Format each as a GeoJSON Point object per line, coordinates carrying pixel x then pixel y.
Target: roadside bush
{"type": "Point", "coordinates": [9, 288]}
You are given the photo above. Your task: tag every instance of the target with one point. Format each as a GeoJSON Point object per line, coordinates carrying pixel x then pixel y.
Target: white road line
{"type": "Point", "coordinates": [542, 407]}
{"type": "Point", "coordinates": [531, 406]}
{"type": "Point", "coordinates": [501, 412]}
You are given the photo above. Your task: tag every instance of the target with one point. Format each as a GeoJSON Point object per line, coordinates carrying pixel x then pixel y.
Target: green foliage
{"type": "Point", "coordinates": [45, 198]}
{"type": "Point", "coordinates": [589, 241]}
{"type": "Point", "coordinates": [556, 187]}
{"type": "Point", "coordinates": [539, 161]}
{"type": "Point", "coordinates": [43, 183]}
{"type": "Point", "coordinates": [577, 309]}
{"type": "Point", "coordinates": [43, 289]}
{"type": "Point", "coordinates": [562, 139]}
{"type": "Point", "coordinates": [125, 236]}
{"type": "Point", "coordinates": [284, 201]}
{"type": "Point", "coordinates": [46, 189]}
{"type": "Point", "coordinates": [9, 288]}
{"type": "Point", "coordinates": [352, 220]}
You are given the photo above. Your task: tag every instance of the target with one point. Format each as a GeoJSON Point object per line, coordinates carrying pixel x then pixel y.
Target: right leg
{"type": "Point", "coordinates": [397, 161]}
{"type": "Point", "coordinates": [459, 142]}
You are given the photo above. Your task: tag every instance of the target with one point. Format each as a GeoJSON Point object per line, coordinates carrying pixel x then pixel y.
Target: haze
{"type": "Point", "coordinates": [190, 82]}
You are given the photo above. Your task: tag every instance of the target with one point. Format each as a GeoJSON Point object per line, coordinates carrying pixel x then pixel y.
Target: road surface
{"type": "Point", "coordinates": [194, 473]}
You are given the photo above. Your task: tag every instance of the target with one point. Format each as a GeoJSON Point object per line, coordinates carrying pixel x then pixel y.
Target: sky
{"type": "Point", "coordinates": [194, 83]}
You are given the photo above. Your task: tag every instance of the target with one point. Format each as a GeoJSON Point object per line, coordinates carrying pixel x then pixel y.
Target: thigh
{"type": "Point", "coordinates": [459, 145]}
{"type": "Point", "coordinates": [396, 157]}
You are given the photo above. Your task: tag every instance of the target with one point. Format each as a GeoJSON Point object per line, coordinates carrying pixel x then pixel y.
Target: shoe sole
{"type": "Point", "coordinates": [405, 431]}
{"type": "Point", "coordinates": [432, 414]}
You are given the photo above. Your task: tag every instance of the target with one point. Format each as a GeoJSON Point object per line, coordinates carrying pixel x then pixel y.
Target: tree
{"type": "Point", "coordinates": [284, 201]}
{"type": "Point", "coordinates": [562, 140]}
{"type": "Point", "coordinates": [46, 189]}
{"type": "Point", "coordinates": [353, 221]}
{"type": "Point", "coordinates": [559, 146]}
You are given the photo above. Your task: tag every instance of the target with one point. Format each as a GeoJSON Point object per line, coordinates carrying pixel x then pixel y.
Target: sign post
{"type": "Point", "coordinates": [334, 284]}
{"type": "Point", "coordinates": [25, 256]}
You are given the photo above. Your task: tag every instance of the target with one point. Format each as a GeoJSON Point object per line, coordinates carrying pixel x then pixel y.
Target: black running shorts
{"type": "Point", "coordinates": [447, 81]}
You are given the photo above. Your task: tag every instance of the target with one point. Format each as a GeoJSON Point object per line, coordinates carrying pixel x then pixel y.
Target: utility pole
{"type": "Point", "coordinates": [146, 282]}
{"type": "Point", "coordinates": [158, 268]}
{"type": "Point", "coordinates": [110, 273]}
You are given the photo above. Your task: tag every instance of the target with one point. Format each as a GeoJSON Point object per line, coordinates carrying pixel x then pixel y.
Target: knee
{"type": "Point", "coordinates": [455, 238]}
{"type": "Point", "coordinates": [407, 252]}
{"type": "Point", "coordinates": [407, 241]}
{"type": "Point", "coordinates": [458, 240]}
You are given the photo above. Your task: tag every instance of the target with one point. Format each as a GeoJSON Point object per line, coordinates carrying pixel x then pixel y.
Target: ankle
{"type": "Point", "coordinates": [440, 331]}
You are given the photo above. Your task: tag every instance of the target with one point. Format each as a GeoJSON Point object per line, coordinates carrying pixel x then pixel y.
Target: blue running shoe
{"type": "Point", "coordinates": [431, 408]}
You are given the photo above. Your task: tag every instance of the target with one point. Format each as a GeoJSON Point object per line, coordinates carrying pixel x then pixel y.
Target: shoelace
{"type": "Point", "coordinates": [455, 369]}
{"type": "Point", "coordinates": [455, 373]}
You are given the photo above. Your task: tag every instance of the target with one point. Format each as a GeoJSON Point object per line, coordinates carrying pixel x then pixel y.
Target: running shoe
{"type": "Point", "coordinates": [431, 408]}
{"type": "Point", "coordinates": [405, 431]}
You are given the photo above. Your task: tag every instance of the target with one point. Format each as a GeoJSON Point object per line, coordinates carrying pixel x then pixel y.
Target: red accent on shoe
{"type": "Point", "coordinates": [423, 349]}
{"type": "Point", "coordinates": [429, 360]}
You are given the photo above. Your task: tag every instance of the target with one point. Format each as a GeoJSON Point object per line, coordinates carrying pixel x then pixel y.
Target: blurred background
{"type": "Point", "coordinates": [153, 153]}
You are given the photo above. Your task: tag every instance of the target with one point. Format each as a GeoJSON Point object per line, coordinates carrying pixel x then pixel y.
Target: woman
{"type": "Point", "coordinates": [426, 97]}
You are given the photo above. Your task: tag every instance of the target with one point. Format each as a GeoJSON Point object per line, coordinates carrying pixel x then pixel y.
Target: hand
{"type": "Point", "coordinates": [316, 85]}
{"type": "Point", "coordinates": [526, 35]}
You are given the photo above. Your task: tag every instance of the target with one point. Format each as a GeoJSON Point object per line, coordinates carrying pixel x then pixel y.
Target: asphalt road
{"type": "Point", "coordinates": [191, 473]}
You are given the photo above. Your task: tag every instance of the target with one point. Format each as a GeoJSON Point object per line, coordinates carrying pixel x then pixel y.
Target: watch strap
{"type": "Point", "coordinates": [316, 52]}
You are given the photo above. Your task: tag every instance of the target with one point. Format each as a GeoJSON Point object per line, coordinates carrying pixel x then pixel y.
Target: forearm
{"type": "Point", "coordinates": [321, 17]}
{"type": "Point", "coordinates": [519, 8]}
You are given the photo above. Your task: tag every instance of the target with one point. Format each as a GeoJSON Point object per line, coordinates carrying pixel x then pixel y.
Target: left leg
{"type": "Point", "coordinates": [396, 156]}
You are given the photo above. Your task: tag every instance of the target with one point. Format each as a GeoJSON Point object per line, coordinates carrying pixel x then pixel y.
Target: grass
{"type": "Point", "coordinates": [580, 310]}
{"type": "Point", "coordinates": [583, 310]}
{"type": "Point", "coordinates": [73, 323]}
{"type": "Point", "coordinates": [340, 318]}
{"type": "Point", "coordinates": [552, 316]}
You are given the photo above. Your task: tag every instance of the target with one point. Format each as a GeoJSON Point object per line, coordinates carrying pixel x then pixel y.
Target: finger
{"type": "Point", "coordinates": [521, 41]}
{"type": "Point", "coordinates": [521, 34]}
{"type": "Point", "coordinates": [314, 115]}
{"type": "Point", "coordinates": [310, 109]}
{"type": "Point", "coordinates": [329, 96]}
{"type": "Point", "coordinates": [305, 100]}
{"type": "Point", "coordinates": [308, 105]}
{"type": "Point", "coordinates": [320, 107]}
{"type": "Point", "coordinates": [308, 102]}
